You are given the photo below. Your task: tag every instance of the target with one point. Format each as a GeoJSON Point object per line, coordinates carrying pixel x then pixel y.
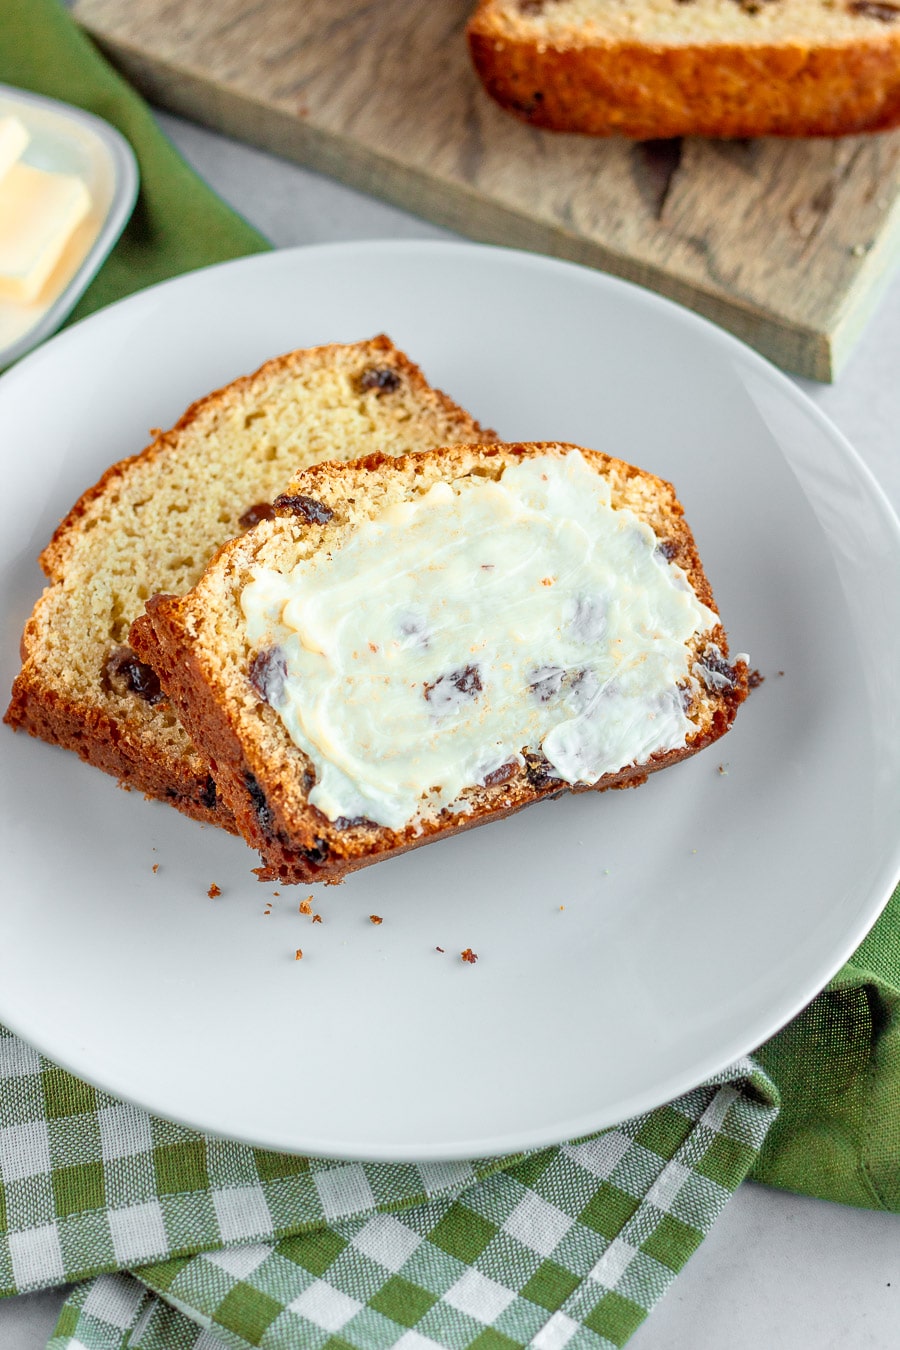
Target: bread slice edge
{"type": "Point", "coordinates": [260, 772]}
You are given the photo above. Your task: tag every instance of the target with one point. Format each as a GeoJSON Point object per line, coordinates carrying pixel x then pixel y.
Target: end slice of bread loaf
{"type": "Point", "coordinates": [414, 647]}
{"type": "Point", "coordinates": [664, 68]}
{"type": "Point", "coordinates": [152, 523]}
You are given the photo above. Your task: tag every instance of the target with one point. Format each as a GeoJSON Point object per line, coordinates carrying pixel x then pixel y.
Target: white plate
{"type": "Point", "coordinates": [700, 912]}
{"type": "Point", "coordinates": [68, 140]}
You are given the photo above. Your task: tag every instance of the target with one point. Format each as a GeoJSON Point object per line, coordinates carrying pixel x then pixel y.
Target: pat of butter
{"type": "Point", "coordinates": [13, 139]}
{"type": "Point", "coordinates": [39, 212]}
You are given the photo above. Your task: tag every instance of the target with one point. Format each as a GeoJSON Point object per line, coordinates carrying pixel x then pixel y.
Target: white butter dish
{"type": "Point", "coordinates": [67, 140]}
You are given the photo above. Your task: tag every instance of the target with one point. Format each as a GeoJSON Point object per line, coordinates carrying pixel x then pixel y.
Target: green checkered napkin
{"type": "Point", "coordinates": [233, 1246]}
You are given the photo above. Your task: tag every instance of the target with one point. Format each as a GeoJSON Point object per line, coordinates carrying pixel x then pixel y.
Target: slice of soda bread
{"type": "Point", "coordinates": [663, 68]}
{"type": "Point", "coordinates": [414, 646]}
{"type": "Point", "coordinates": [153, 521]}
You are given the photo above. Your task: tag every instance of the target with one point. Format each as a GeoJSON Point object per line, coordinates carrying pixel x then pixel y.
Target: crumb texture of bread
{"type": "Point", "coordinates": [226, 689]}
{"type": "Point", "coordinates": [152, 523]}
{"type": "Point", "coordinates": [719, 68]}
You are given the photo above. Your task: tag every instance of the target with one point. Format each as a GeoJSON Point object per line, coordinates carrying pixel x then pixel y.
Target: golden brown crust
{"type": "Point", "coordinates": [647, 91]}
{"type": "Point", "coordinates": [265, 778]}
{"type": "Point", "coordinates": [62, 693]}
{"type": "Point", "coordinates": [53, 557]}
{"type": "Point", "coordinates": [97, 739]}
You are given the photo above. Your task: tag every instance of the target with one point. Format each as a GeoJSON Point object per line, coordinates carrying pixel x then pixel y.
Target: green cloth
{"type": "Point", "coordinates": [837, 1068]}
{"type": "Point", "coordinates": [184, 1242]}
{"type": "Point", "coordinates": [178, 222]}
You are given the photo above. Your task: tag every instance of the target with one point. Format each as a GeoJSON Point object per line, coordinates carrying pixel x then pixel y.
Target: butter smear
{"type": "Point", "coordinates": [450, 633]}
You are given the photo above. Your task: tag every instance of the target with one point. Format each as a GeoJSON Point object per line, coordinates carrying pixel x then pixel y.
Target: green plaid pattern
{"type": "Point", "coordinates": [233, 1246]}
{"type": "Point", "coordinates": [88, 1183]}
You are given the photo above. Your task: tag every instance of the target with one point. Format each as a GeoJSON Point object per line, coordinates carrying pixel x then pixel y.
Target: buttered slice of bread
{"type": "Point", "coordinates": [415, 646]}
{"type": "Point", "coordinates": [664, 68]}
{"type": "Point", "coordinates": [152, 523]}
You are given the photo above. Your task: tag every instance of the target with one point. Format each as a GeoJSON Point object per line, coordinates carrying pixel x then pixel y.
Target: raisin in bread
{"type": "Point", "coordinates": [415, 646]}
{"type": "Point", "coordinates": [663, 68]}
{"type": "Point", "coordinates": [152, 522]}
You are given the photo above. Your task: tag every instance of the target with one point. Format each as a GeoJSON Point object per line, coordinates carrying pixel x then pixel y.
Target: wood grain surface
{"type": "Point", "coordinates": [785, 243]}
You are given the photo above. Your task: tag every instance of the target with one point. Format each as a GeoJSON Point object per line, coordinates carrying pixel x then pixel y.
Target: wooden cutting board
{"type": "Point", "coordinates": [787, 244]}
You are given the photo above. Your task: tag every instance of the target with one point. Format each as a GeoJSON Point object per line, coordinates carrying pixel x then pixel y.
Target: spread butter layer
{"type": "Point", "coordinates": [452, 632]}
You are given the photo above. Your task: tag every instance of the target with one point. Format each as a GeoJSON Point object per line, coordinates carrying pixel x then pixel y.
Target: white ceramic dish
{"type": "Point", "coordinates": [700, 912]}
{"type": "Point", "coordinates": [68, 140]}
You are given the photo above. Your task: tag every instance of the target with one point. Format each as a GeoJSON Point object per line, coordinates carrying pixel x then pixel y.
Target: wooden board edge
{"type": "Point", "coordinates": [793, 347]}
{"type": "Point", "coordinates": [881, 262]}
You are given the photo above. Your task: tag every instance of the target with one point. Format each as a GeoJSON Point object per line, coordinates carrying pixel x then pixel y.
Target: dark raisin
{"type": "Point", "coordinates": [380, 378]}
{"type": "Point", "coordinates": [267, 674]}
{"type": "Point", "coordinates": [467, 681]}
{"type": "Point", "coordinates": [501, 775]}
{"type": "Point", "coordinates": [260, 805]}
{"type": "Point", "coordinates": [308, 508]}
{"type": "Point", "coordinates": [354, 822]}
{"type": "Point", "coordinates": [668, 548]}
{"type": "Point", "coordinates": [875, 9]}
{"type": "Point", "coordinates": [715, 671]}
{"type": "Point", "coordinates": [720, 665]}
{"type": "Point", "coordinates": [207, 797]}
{"type": "Point", "coordinates": [546, 682]}
{"type": "Point", "coordinates": [318, 854]}
{"type": "Point", "coordinates": [125, 674]}
{"type": "Point", "coordinates": [538, 769]}
{"type": "Point", "coordinates": [254, 514]}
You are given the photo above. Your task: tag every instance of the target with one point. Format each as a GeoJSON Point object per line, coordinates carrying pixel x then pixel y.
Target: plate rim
{"type": "Point", "coordinates": [880, 890]}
